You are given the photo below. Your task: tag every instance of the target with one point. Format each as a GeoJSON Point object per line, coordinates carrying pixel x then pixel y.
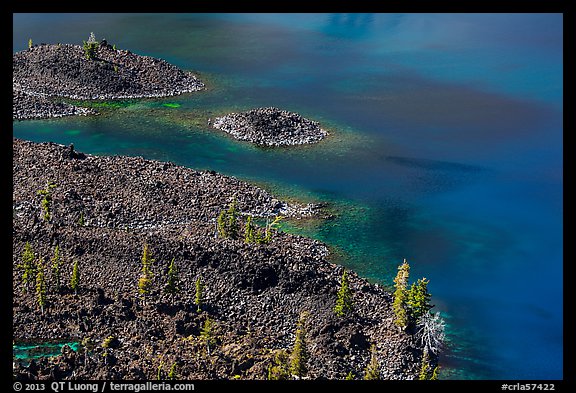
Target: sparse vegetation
{"type": "Point", "coordinates": [272, 226]}
{"type": "Point", "coordinates": [145, 280]}
{"type": "Point", "coordinates": [88, 346]}
{"type": "Point", "coordinates": [253, 234]}
{"type": "Point", "coordinates": [207, 334]}
{"type": "Point", "coordinates": [400, 305]}
{"type": "Point", "coordinates": [107, 344]}
{"type": "Point", "coordinates": [412, 308]}
{"type": "Point", "coordinates": [81, 221]}
{"type": "Point", "coordinates": [173, 284]}
{"type": "Point", "coordinates": [425, 371]}
{"type": "Point", "coordinates": [434, 375]}
{"type": "Point", "coordinates": [46, 200]}
{"type": "Point", "coordinates": [418, 301]}
{"type": "Point", "coordinates": [228, 221]}
{"type": "Point", "coordinates": [344, 304]}
{"type": "Point", "coordinates": [249, 231]}
{"type": "Point", "coordinates": [372, 370]}
{"type": "Point", "coordinates": [90, 47]}
{"type": "Point", "coordinates": [27, 266]}
{"type": "Point", "coordinates": [144, 285]}
{"type": "Point", "coordinates": [172, 374]}
{"type": "Point", "coordinates": [280, 369]}
{"type": "Point", "coordinates": [299, 355]}
{"type": "Point", "coordinates": [56, 264]}
{"type": "Point", "coordinates": [75, 280]}
{"type": "Point", "coordinates": [41, 285]}
{"type": "Point", "coordinates": [198, 295]}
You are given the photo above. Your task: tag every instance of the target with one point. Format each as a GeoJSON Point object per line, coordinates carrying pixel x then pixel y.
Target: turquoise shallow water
{"type": "Point", "coordinates": [445, 149]}
{"type": "Point", "coordinates": [25, 352]}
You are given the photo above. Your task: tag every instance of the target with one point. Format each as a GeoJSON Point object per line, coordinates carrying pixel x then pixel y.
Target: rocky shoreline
{"type": "Point", "coordinates": [270, 126]}
{"type": "Point", "coordinates": [45, 74]}
{"type": "Point", "coordinates": [104, 209]}
{"type": "Point", "coordinates": [30, 106]}
{"type": "Point", "coordinates": [51, 71]}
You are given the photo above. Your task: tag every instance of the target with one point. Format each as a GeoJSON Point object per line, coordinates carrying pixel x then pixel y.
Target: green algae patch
{"type": "Point", "coordinates": [171, 105]}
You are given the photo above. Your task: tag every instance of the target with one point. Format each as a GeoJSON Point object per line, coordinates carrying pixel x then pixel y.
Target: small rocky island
{"type": "Point", "coordinates": [155, 269]}
{"type": "Point", "coordinates": [46, 73]}
{"type": "Point", "coordinates": [270, 127]}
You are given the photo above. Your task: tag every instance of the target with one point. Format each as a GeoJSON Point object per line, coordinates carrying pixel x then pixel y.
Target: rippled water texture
{"type": "Point", "coordinates": [446, 149]}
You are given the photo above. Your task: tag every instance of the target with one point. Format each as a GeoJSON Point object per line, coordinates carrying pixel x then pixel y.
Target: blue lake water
{"type": "Point", "coordinates": [446, 149]}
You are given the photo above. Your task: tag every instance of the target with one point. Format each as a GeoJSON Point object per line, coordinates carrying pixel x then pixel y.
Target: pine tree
{"type": "Point", "coordinates": [434, 376]}
{"type": "Point", "coordinates": [222, 224]}
{"type": "Point", "coordinates": [372, 370]}
{"type": "Point", "coordinates": [425, 372]}
{"type": "Point", "coordinates": [344, 302]}
{"type": "Point", "coordinates": [46, 200]}
{"type": "Point", "coordinates": [106, 344]}
{"type": "Point", "coordinates": [145, 281]}
{"type": "Point", "coordinates": [144, 285]}
{"type": "Point", "coordinates": [147, 260]}
{"type": "Point", "coordinates": [233, 220]}
{"type": "Point", "coordinates": [159, 370]}
{"type": "Point", "coordinates": [27, 266]}
{"type": "Point", "coordinates": [299, 355]}
{"type": "Point", "coordinates": [90, 47]}
{"type": "Point", "coordinates": [173, 284]}
{"type": "Point", "coordinates": [30, 43]}
{"type": "Point", "coordinates": [280, 369]}
{"type": "Point", "coordinates": [172, 374]}
{"type": "Point", "coordinates": [75, 280]}
{"type": "Point", "coordinates": [207, 333]}
{"type": "Point", "coordinates": [249, 236]}
{"type": "Point", "coordinates": [259, 237]}
{"type": "Point", "coordinates": [271, 226]}
{"type": "Point", "coordinates": [228, 222]}
{"type": "Point", "coordinates": [56, 264]}
{"type": "Point", "coordinates": [198, 294]}
{"type": "Point", "coordinates": [41, 286]}
{"type": "Point", "coordinates": [89, 346]}
{"type": "Point", "coordinates": [418, 300]}
{"type": "Point", "coordinates": [401, 295]}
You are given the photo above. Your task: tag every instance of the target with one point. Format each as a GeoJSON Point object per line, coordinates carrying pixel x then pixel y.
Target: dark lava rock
{"type": "Point", "coordinates": [254, 294]}
{"type": "Point", "coordinates": [270, 127]}
{"type": "Point", "coordinates": [46, 72]}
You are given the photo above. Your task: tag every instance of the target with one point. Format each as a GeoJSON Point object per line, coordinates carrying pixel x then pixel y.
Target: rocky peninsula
{"type": "Point", "coordinates": [102, 211]}
{"type": "Point", "coordinates": [45, 74]}
{"type": "Point", "coordinates": [270, 126]}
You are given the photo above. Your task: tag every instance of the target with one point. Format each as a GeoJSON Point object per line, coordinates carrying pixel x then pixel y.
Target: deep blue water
{"type": "Point", "coordinates": [446, 149]}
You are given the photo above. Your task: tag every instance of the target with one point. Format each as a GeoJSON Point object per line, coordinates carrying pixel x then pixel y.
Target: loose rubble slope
{"type": "Point", "coordinates": [254, 293]}
{"type": "Point", "coordinates": [270, 127]}
{"type": "Point", "coordinates": [63, 71]}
